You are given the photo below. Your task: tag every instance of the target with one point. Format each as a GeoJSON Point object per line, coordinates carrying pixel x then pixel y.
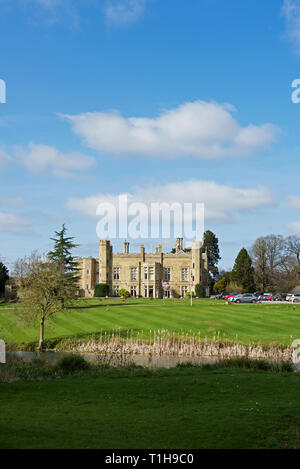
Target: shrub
{"type": "Point", "coordinates": [101, 290]}
{"type": "Point", "coordinates": [200, 292]}
{"type": "Point", "coordinates": [72, 363]}
{"type": "Point", "coordinates": [220, 285]}
{"type": "Point", "coordinates": [124, 293]}
{"type": "Point", "coordinates": [188, 365]}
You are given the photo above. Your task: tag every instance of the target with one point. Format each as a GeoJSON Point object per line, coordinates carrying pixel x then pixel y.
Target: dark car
{"type": "Point", "coordinates": [222, 295]}
{"type": "Point", "coordinates": [245, 298]}
{"type": "Point", "coordinates": [280, 297]}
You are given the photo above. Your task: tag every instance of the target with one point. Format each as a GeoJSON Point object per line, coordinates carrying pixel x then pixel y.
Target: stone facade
{"type": "Point", "coordinates": [142, 273]}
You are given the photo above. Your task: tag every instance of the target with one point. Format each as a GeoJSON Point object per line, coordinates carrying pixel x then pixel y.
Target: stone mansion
{"type": "Point", "coordinates": [143, 274]}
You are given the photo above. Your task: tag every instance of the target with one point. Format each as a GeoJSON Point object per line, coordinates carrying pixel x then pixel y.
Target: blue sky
{"type": "Point", "coordinates": [148, 97]}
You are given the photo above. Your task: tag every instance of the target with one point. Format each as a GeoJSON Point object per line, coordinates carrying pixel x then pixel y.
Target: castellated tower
{"type": "Point", "coordinates": [105, 262]}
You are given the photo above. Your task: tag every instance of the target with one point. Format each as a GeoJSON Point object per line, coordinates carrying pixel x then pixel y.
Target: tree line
{"type": "Point", "coordinates": [271, 264]}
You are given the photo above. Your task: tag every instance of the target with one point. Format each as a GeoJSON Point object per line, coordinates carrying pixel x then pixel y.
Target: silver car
{"type": "Point", "coordinates": [245, 298]}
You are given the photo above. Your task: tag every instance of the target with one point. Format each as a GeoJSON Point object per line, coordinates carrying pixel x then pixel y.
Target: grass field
{"type": "Point", "coordinates": [244, 323]}
{"type": "Point", "coordinates": [179, 408]}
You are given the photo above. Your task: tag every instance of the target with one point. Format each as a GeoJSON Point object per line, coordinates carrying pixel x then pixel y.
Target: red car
{"type": "Point", "coordinates": [266, 297]}
{"type": "Point", "coordinates": [231, 295]}
{"type": "Point", "coordinates": [270, 298]}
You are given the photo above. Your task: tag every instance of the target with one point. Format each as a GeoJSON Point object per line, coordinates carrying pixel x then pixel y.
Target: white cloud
{"type": "Point", "coordinates": [291, 12]}
{"type": "Point", "coordinates": [222, 203]}
{"type": "Point", "coordinates": [116, 12]}
{"type": "Point", "coordinates": [10, 223]}
{"type": "Point", "coordinates": [294, 227]}
{"type": "Point", "coordinates": [39, 158]}
{"type": "Point", "coordinates": [122, 12]}
{"type": "Point", "coordinates": [4, 158]}
{"type": "Point", "coordinates": [48, 3]}
{"type": "Point", "coordinates": [199, 129]}
{"type": "Point", "coordinates": [6, 201]}
{"type": "Point", "coordinates": [294, 202]}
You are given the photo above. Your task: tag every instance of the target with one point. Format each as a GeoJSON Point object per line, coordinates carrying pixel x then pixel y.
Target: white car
{"type": "Point", "coordinates": [295, 298]}
{"type": "Point", "coordinates": [289, 297]}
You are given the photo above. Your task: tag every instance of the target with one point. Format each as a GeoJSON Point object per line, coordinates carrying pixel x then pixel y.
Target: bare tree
{"type": "Point", "coordinates": [41, 287]}
{"type": "Point", "coordinates": [275, 252]}
{"type": "Point", "coordinates": [260, 262]}
{"type": "Point", "coordinates": [273, 263]}
{"type": "Point", "coordinates": [293, 250]}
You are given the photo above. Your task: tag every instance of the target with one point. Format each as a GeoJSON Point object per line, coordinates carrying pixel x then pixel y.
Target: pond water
{"type": "Point", "coordinates": [164, 361]}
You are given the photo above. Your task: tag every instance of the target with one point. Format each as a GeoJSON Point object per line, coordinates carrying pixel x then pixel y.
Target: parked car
{"type": "Point", "coordinates": [245, 298]}
{"type": "Point", "coordinates": [266, 297]}
{"type": "Point", "coordinates": [295, 298]}
{"type": "Point", "coordinates": [222, 295]}
{"type": "Point", "coordinates": [279, 297]}
{"type": "Point", "coordinates": [231, 295]}
{"type": "Point", "coordinates": [231, 298]}
{"type": "Point", "coordinates": [289, 297]}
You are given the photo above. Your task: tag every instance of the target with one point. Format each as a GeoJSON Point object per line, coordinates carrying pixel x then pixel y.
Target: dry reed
{"type": "Point", "coordinates": [166, 343]}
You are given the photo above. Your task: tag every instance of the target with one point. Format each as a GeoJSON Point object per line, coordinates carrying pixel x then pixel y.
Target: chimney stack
{"type": "Point", "coordinates": [126, 247]}
{"type": "Point", "coordinates": [179, 244]}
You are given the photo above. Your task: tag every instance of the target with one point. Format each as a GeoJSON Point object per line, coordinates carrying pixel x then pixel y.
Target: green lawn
{"type": "Point", "coordinates": [245, 323]}
{"type": "Point", "coordinates": [179, 408]}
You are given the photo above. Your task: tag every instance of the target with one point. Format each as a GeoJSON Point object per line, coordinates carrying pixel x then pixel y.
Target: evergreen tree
{"type": "Point", "coordinates": [62, 250]}
{"type": "Point", "coordinates": [101, 290]}
{"type": "Point", "coordinates": [243, 271]}
{"type": "Point", "coordinates": [62, 256]}
{"type": "Point", "coordinates": [3, 277]}
{"type": "Point", "coordinates": [199, 291]}
{"type": "Point", "coordinates": [211, 244]}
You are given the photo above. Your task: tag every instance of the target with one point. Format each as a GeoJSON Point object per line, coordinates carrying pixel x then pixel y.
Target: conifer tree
{"type": "Point", "coordinates": [62, 250]}
{"type": "Point", "coordinates": [243, 271]}
{"type": "Point", "coordinates": [3, 277]}
{"type": "Point", "coordinates": [211, 244]}
{"type": "Point", "coordinates": [62, 256]}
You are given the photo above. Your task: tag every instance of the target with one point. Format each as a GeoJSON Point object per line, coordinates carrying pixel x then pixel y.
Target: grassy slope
{"type": "Point", "coordinates": [258, 323]}
{"type": "Point", "coordinates": [144, 409]}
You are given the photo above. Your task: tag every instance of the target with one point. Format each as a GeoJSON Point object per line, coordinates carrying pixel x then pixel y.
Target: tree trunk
{"type": "Point", "coordinates": [42, 329]}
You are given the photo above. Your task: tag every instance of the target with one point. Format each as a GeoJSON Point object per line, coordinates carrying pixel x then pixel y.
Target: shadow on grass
{"type": "Point", "coordinates": [105, 305]}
